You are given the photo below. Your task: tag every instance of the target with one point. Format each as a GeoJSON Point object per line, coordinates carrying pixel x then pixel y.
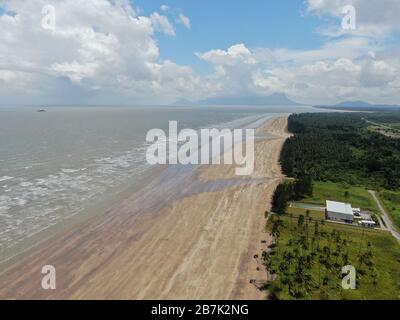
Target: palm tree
{"type": "Point", "coordinates": [361, 241]}
{"type": "Point", "coordinates": [300, 222]}
{"type": "Point", "coordinates": [345, 259]}
{"type": "Point", "coordinates": [374, 276]}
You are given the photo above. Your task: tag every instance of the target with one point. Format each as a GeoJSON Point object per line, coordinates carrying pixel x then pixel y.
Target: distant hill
{"type": "Point", "coordinates": [275, 99]}
{"type": "Point", "coordinates": [361, 106]}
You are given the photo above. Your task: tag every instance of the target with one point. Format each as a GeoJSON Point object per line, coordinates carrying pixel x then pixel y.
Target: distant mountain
{"type": "Point", "coordinates": [361, 106]}
{"type": "Point", "coordinates": [275, 99]}
{"type": "Point", "coordinates": [353, 104]}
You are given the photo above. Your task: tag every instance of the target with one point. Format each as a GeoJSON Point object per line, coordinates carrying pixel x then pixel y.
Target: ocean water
{"type": "Point", "coordinates": [57, 164]}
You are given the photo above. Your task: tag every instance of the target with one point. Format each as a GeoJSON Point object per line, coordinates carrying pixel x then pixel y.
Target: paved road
{"type": "Point", "coordinates": [389, 224]}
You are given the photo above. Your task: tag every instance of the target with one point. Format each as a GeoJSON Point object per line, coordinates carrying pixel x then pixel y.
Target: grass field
{"type": "Point", "coordinates": [394, 125]}
{"type": "Point", "coordinates": [391, 201]}
{"type": "Point", "coordinates": [317, 215]}
{"type": "Point", "coordinates": [389, 132]}
{"type": "Point", "coordinates": [324, 253]}
{"type": "Point", "coordinates": [358, 197]}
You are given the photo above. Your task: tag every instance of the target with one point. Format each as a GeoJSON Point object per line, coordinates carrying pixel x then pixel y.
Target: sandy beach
{"type": "Point", "coordinates": [199, 244]}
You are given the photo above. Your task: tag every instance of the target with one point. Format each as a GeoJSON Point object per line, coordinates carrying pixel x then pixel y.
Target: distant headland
{"type": "Point", "coordinates": [360, 106]}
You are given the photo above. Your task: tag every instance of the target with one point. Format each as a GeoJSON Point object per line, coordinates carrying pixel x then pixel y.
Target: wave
{"type": "Point", "coordinates": [5, 178]}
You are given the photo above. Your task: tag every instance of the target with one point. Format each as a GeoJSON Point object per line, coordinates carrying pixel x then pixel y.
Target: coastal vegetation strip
{"type": "Point", "coordinates": [308, 256]}
{"type": "Point", "coordinates": [341, 158]}
{"type": "Point", "coordinates": [338, 147]}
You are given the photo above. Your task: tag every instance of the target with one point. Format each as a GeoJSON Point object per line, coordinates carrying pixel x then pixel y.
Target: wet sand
{"type": "Point", "coordinates": [195, 239]}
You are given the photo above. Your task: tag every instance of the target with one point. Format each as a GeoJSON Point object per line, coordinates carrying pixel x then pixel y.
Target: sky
{"type": "Point", "coordinates": [117, 52]}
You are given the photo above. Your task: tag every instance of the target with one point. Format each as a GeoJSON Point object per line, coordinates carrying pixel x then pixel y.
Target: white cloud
{"type": "Point", "coordinates": [74, 70]}
{"type": "Point", "coordinates": [238, 53]}
{"type": "Point", "coordinates": [375, 18]}
{"type": "Point", "coordinates": [100, 51]}
{"type": "Point", "coordinates": [162, 24]}
{"type": "Point", "coordinates": [324, 75]}
{"type": "Point", "coordinates": [164, 8]}
{"type": "Point", "coordinates": [106, 52]}
{"type": "Point", "coordinates": [350, 48]}
{"type": "Point", "coordinates": [185, 21]}
{"type": "Point", "coordinates": [356, 65]}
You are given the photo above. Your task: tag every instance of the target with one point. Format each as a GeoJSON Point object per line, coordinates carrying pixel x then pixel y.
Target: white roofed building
{"type": "Point", "coordinates": [367, 223]}
{"type": "Point", "coordinates": [339, 211]}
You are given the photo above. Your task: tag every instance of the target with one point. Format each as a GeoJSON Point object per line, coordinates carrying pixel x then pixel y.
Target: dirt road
{"type": "Point", "coordinates": [388, 222]}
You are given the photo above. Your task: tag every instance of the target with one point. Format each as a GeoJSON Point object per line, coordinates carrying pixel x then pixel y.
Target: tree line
{"type": "Point", "coordinates": [308, 264]}
{"type": "Point", "coordinates": [338, 147]}
{"type": "Point", "coordinates": [291, 190]}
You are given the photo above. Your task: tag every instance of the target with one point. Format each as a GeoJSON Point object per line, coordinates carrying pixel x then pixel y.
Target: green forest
{"type": "Point", "coordinates": [328, 150]}
{"type": "Point", "coordinates": [339, 147]}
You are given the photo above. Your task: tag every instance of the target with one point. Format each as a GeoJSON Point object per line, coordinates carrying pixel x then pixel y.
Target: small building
{"type": "Point", "coordinates": [339, 211]}
{"type": "Point", "coordinates": [367, 223]}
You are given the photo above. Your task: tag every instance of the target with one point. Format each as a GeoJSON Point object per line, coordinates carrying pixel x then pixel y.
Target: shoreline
{"type": "Point", "coordinates": [199, 244]}
{"type": "Point", "coordinates": [89, 214]}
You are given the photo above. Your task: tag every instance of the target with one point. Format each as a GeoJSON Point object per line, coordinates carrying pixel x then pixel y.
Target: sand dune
{"type": "Point", "coordinates": [198, 246]}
